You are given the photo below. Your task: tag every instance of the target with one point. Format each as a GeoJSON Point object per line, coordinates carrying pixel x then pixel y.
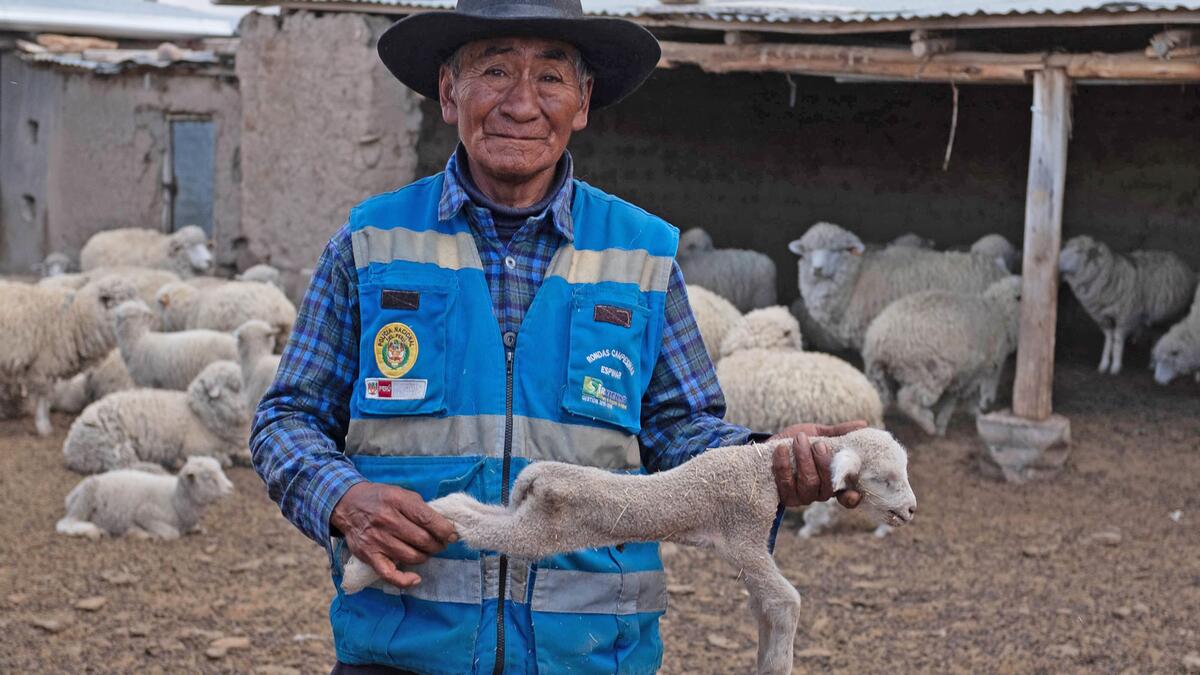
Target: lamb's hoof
{"type": "Point", "coordinates": [43, 428]}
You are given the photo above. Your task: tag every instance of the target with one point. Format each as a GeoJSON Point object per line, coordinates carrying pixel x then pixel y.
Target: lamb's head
{"type": "Point", "coordinates": [998, 248]}
{"type": "Point", "coordinates": [203, 481]}
{"type": "Point", "coordinates": [912, 240]}
{"type": "Point", "coordinates": [694, 241]}
{"type": "Point", "coordinates": [264, 274]}
{"type": "Point", "coordinates": [255, 338]}
{"type": "Point", "coordinates": [767, 328]}
{"type": "Point", "coordinates": [1177, 352]}
{"type": "Point", "coordinates": [99, 301]}
{"type": "Point", "coordinates": [56, 264]}
{"type": "Point", "coordinates": [188, 250]}
{"type": "Point", "coordinates": [1006, 294]}
{"type": "Point", "coordinates": [1083, 258]}
{"type": "Point", "coordinates": [873, 462]}
{"type": "Point", "coordinates": [132, 319]}
{"type": "Point", "coordinates": [215, 396]}
{"type": "Point", "coordinates": [175, 302]}
{"type": "Point", "coordinates": [829, 259]}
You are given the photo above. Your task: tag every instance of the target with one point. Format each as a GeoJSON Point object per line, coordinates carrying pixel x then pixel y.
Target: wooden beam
{"type": "Point", "coordinates": [1043, 239]}
{"type": "Point", "coordinates": [927, 43]}
{"type": "Point", "coordinates": [901, 64]}
{"type": "Point", "coordinates": [1174, 43]}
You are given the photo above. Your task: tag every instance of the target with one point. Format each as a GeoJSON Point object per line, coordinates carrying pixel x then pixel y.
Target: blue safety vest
{"type": "Point", "coordinates": [445, 403]}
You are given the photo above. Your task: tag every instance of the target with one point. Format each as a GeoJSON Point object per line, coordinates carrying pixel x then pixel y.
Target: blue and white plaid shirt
{"type": "Point", "coordinates": [300, 427]}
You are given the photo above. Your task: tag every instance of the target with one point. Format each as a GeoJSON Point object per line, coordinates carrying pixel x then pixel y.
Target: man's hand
{"type": "Point", "coordinates": [802, 473]}
{"type": "Point", "coordinates": [384, 524]}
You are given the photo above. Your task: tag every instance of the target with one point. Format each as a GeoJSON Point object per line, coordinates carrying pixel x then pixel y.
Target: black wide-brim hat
{"type": "Point", "coordinates": [620, 53]}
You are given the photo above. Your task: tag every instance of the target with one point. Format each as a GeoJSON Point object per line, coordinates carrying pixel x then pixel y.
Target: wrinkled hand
{"type": "Point", "coordinates": [802, 473]}
{"type": "Point", "coordinates": [384, 524]}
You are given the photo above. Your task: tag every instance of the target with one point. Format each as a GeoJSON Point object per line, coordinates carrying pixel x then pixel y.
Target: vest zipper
{"type": "Point", "coordinates": [501, 590]}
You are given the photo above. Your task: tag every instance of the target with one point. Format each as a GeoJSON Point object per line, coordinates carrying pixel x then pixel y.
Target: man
{"type": "Point", "coordinates": [494, 314]}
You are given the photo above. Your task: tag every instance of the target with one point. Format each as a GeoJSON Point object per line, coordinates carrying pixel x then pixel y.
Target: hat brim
{"type": "Point", "coordinates": [621, 54]}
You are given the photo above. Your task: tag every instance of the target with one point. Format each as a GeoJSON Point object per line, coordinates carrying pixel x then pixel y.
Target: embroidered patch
{"type": "Point", "coordinates": [395, 349]}
{"type": "Point", "coordinates": [396, 390]}
{"type": "Point", "coordinates": [595, 392]}
{"type": "Point", "coordinates": [618, 316]}
{"type": "Point", "coordinates": [393, 299]}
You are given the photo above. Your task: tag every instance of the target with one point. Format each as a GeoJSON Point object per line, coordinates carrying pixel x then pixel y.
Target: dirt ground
{"type": "Point", "coordinates": [990, 578]}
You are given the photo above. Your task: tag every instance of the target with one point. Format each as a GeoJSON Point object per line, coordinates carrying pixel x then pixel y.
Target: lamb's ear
{"type": "Point", "coordinates": [795, 247]}
{"type": "Point", "coordinates": [846, 465]}
{"type": "Point", "coordinates": [857, 249]}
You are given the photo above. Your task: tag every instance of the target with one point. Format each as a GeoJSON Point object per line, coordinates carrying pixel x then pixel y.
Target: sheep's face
{"type": "Point", "coordinates": [174, 303]}
{"type": "Point", "coordinates": [873, 462]}
{"type": "Point", "coordinates": [1081, 254]}
{"type": "Point", "coordinates": [133, 314]}
{"type": "Point", "coordinates": [829, 257]}
{"type": "Point", "coordinates": [998, 248]}
{"type": "Point", "coordinates": [190, 247]}
{"type": "Point", "coordinates": [694, 241]}
{"type": "Point", "coordinates": [204, 480]}
{"type": "Point", "coordinates": [255, 337]}
{"type": "Point", "coordinates": [768, 328]}
{"type": "Point", "coordinates": [108, 294]}
{"type": "Point", "coordinates": [56, 264]}
{"type": "Point", "coordinates": [1175, 354]}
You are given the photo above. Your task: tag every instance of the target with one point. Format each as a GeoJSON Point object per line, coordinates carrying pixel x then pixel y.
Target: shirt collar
{"type": "Point", "coordinates": [454, 197]}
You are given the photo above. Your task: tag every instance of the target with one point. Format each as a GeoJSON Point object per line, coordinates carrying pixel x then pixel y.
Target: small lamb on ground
{"type": "Point", "coordinates": [226, 306]}
{"type": "Point", "coordinates": [1000, 249]}
{"type": "Point", "coordinates": [255, 339]}
{"type": "Point", "coordinates": [769, 383]}
{"type": "Point", "coordinates": [745, 278]}
{"type": "Point", "coordinates": [845, 285]}
{"type": "Point", "coordinates": [184, 252]}
{"type": "Point", "coordinates": [1178, 352]}
{"type": "Point", "coordinates": [167, 360]}
{"type": "Point", "coordinates": [163, 426]}
{"type": "Point", "coordinates": [93, 384]}
{"type": "Point", "coordinates": [939, 348]}
{"type": "Point", "coordinates": [714, 317]}
{"type": "Point", "coordinates": [49, 334]}
{"type": "Point", "coordinates": [1124, 294]}
{"type": "Point", "coordinates": [724, 499]}
{"type": "Point", "coordinates": [141, 504]}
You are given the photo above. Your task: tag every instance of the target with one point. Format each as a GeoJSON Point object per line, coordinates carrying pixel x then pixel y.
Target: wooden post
{"type": "Point", "coordinates": [1043, 239]}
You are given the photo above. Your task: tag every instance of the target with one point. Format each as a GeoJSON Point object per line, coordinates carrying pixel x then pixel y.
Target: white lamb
{"type": "Point", "coordinates": [931, 350]}
{"type": "Point", "coordinates": [134, 503]}
{"type": "Point", "coordinates": [55, 264]}
{"type": "Point", "coordinates": [845, 286]}
{"type": "Point", "coordinates": [255, 339]}
{"type": "Point", "coordinates": [1178, 351]}
{"type": "Point", "coordinates": [1124, 294]}
{"type": "Point", "coordinates": [163, 426]}
{"type": "Point", "coordinates": [167, 360]}
{"type": "Point", "coordinates": [724, 499]}
{"type": "Point", "coordinates": [184, 252]}
{"type": "Point", "coordinates": [93, 384]}
{"type": "Point", "coordinates": [1000, 249]}
{"type": "Point", "coordinates": [745, 278]}
{"type": "Point", "coordinates": [49, 334]}
{"type": "Point", "coordinates": [770, 384]}
{"type": "Point", "coordinates": [714, 317]}
{"type": "Point", "coordinates": [226, 306]}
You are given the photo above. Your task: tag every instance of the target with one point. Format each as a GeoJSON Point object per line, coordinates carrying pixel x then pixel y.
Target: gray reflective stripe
{"type": "Point", "coordinates": [584, 266]}
{"type": "Point", "coordinates": [518, 578]}
{"type": "Point", "coordinates": [442, 580]}
{"type": "Point", "coordinates": [451, 251]}
{"type": "Point", "coordinates": [533, 438]}
{"type": "Point", "coordinates": [573, 592]}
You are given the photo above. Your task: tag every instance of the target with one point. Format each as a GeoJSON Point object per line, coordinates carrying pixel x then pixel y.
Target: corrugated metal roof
{"type": "Point", "coordinates": [111, 62]}
{"type": "Point", "coordinates": [793, 11]}
{"type": "Point", "coordinates": [112, 18]}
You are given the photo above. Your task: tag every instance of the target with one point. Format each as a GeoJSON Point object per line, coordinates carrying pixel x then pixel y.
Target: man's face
{"type": "Point", "coordinates": [515, 102]}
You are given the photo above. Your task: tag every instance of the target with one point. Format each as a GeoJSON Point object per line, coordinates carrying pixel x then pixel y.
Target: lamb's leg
{"type": "Point", "coordinates": [162, 530]}
{"type": "Point", "coordinates": [911, 402]}
{"type": "Point", "coordinates": [945, 411]}
{"type": "Point", "coordinates": [818, 517]}
{"type": "Point", "coordinates": [149, 517]}
{"type": "Point", "coordinates": [41, 415]}
{"type": "Point", "coordinates": [774, 602]}
{"type": "Point", "coordinates": [1118, 351]}
{"type": "Point", "coordinates": [1106, 357]}
{"type": "Point", "coordinates": [73, 527]}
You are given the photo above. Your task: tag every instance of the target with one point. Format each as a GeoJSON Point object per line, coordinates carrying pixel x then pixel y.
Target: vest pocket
{"type": "Point", "coordinates": [403, 344]}
{"type": "Point", "coordinates": [605, 381]}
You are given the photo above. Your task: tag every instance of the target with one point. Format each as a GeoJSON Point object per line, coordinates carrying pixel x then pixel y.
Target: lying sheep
{"type": "Point", "coordinates": [940, 348]}
{"type": "Point", "coordinates": [724, 499]}
{"type": "Point", "coordinates": [1178, 352]}
{"type": "Point", "coordinates": [226, 306]}
{"type": "Point", "coordinates": [714, 317]}
{"type": "Point", "coordinates": [184, 252]}
{"type": "Point", "coordinates": [167, 360]}
{"type": "Point", "coordinates": [998, 248]}
{"type": "Point", "coordinates": [745, 278]}
{"type": "Point", "coordinates": [93, 384]}
{"type": "Point", "coordinates": [845, 286]}
{"type": "Point", "coordinates": [146, 280]}
{"type": "Point", "coordinates": [163, 426]}
{"type": "Point", "coordinates": [263, 274]}
{"type": "Point", "coordinates": [129, 502]}
{"type": "Point", "coordinates": [770, 384]}
{"type": "Point", "coordinates": [1123, 294]}
{"type": "Point", "coordinates": [255, 339]}
{"type": "Point", "coordinates": [49, 333]}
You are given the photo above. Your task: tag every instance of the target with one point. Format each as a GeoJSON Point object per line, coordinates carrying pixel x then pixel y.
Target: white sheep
{"type": "Point", "coordinates": [163, 426]}
{"type": "Point", "coordinates": [745, 278]}
{"type": "Point", "coordinates": [724, 499]}
{"type": "Point", "coordinates": [815, 336]}
{"type": "Point", "coordinates": [931, 350]}
{"type": "Point", "coordinates": [998, 248]}
{"type": "Point", "coordinates": [714, 317]}
{"type": "Point", "coordinates": [1178, 351]}
{"type": "Point", "coordinates": [912, 240]}
{"type": "Point", "coordinates": [93, 384]}
{"type": "Point", "coordinates": [1124, 294]}
{"type": "Point", "coordinates": [55, 264]}
{"type": "Point", "coordinates": [226, 306]}
{"type": "Point", "coordinates": [255, 339]}
{"type": "Point", "coordinates": [145, 279]}
{"type": "Point", "coordinates": [49, 334]}
{"type": "Point", "coordinates": [166, 360]}
{"type": "Point", "coordinates": [845, 286]}
{"type": "Point", "coordinates": [770, 384]}
{"type": "Point", "coordinates": [136, 503]}
{"type": "Point", "coordinates": [263, 274]}
{"type": "Point", "coordinates": [184, 252]}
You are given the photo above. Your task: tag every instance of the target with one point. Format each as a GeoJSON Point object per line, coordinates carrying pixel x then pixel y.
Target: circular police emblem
{"type": "Point", "coordinates": [395, 349]}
